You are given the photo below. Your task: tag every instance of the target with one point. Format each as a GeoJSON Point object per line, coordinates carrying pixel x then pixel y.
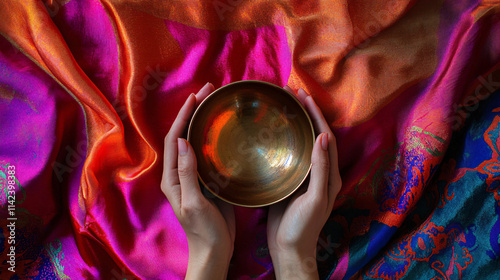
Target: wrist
{"type": "Point", "coordinates": [208, 263]}
{"type": "Point", "coordinates": [292, 264]}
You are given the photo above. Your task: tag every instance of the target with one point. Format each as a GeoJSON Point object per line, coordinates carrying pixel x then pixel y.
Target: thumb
{"type": "Point", "coordinates": [188, 177]}
{"type": "Point", "coordinates": [318, 184]}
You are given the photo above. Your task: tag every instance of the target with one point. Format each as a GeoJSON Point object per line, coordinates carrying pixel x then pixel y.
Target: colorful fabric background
{"type": "Point", "coordinates": [89, 89]}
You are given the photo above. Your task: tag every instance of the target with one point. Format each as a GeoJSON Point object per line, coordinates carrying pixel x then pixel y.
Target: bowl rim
{"type": "Point", "coordinates": [313, 134]}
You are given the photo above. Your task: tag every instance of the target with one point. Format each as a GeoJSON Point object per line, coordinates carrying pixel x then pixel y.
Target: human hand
{"type": "Point", "coordinates": [294, 225]}
{"type": "Point", "coordinates": [209, 225]}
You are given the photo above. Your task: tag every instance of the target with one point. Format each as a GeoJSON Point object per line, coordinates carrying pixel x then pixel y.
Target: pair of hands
{"type": "Point", "coordinates": [293, 225]}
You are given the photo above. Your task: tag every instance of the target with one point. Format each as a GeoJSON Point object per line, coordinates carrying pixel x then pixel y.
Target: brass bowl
{"type": "Point", "coordinates": [253, 143]}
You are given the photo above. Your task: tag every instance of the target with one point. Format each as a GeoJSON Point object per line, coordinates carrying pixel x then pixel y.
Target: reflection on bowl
{"type": "Point", "coordinates": [253, 143]}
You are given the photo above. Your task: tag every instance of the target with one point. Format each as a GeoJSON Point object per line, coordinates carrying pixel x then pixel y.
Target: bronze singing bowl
{"type": "Point", "coordinates": [253, 143]}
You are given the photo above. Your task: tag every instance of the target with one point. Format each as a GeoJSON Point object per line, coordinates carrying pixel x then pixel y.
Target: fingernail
{"type": "Point", "coordinates": [301, 89]}
{"type": "Point", "coordinates": [206, 85]}
{"type": "Point", "coordinates": [324, 141]}
{"type": "Point", "coordinates": [181, 146]}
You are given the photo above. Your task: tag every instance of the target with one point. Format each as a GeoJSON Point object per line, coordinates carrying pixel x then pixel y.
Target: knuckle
{"type": "Point", "coordinates": [164, 186]}
{"type": "Point", "coordinates": [185, 171]}
{"type": "Point", "coordinates": [188, 211]}
{"type": "Point", "coordinates": [192, 209]}
{"type": "Point", "coordinates": [169, 179]}
{"type": "Point", "coordinates": [285, 241]}
{"type": "Point", "coordinates": [321, 164]}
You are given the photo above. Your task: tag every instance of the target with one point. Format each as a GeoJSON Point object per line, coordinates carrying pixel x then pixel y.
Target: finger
{"type": "Point", "coordinates": [188, 177]}
{"type": "Point", "coordinates": [320, 170]}
{"type": "Point", "coordinates": [204, 92]}
{"type": "Point", "coordinates": [182, 120]}
{"type": "Point", "coordinates": [289, 89]}
{"type": "Point", "coordinates": [176, 131]}
{"type": "Point", "coordinates": [170, 184]}
{"type": "Point", "coordinates": [302, 95]}
{"type": "Point", "coordinates": [318, 119]}
{"type": "Point", "coordinates": [171, 187]}
{"type": "Point", "coordinates": [321, 126]}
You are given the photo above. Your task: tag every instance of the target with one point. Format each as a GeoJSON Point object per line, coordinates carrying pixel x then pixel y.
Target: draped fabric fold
{"type": "Point", "coordinates": [90, 88]}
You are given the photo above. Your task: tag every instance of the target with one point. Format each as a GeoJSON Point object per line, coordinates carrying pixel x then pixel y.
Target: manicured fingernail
{"type": "Point", "coordinates": [301, 89]}
{"type": "Point", "coordinates": [181, 146]}
{"type": "Point", "coordinates": [206, 85]}
{"type": "Point", "coordinates": [324, 141]}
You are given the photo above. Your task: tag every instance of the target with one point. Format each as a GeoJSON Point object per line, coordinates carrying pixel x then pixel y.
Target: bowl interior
{"type": "Point", "coordinates": [253, 143]}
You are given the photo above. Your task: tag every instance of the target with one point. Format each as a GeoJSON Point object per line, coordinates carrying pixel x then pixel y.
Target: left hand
{"type": "Point", "coordinates": [209, 225]}
{"type": "Point", "coordinates": [294, 225]}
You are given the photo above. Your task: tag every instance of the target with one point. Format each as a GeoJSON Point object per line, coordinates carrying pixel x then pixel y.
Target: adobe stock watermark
{"type": "Point", "coordinates": [265, 135]}
{"type": "Point", "coordinates": [380, 20]}
{"type": "Point", "coordinates": [53, 9]}
{"type": "Point", "coordinates": [73, 159]}
{"type": "Point", "coordinates": [325, 248]}
{"type": "Point", "coordinates": [75, 156]}
{"type": "Point", "coordinates": [9, 185]}
{"type": "Point", "coordinates": [486, 87]}
{"type": "Point", "coordinates": [246, 150]}
{"type": "Point", "coordinates": [219, 181]}
{"type": "Point", "coordinates": [151, 81]}
{"type": "Point", "coordinates": [224, 6]}
{"type": "Point", "coordinates": [123, 274]}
